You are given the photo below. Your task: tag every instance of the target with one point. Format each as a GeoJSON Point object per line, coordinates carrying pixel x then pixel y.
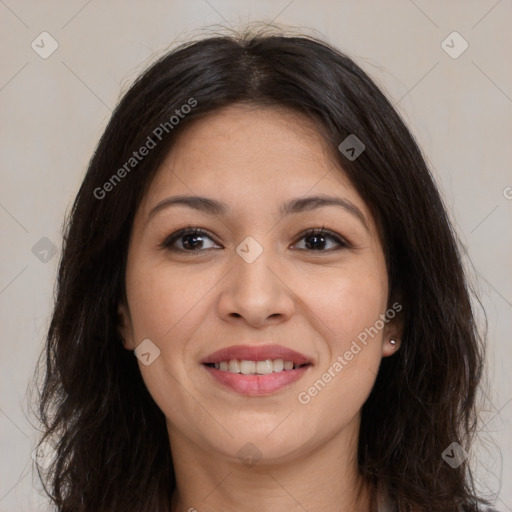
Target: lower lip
{"type": "Point", "coordinates": [256, 384]}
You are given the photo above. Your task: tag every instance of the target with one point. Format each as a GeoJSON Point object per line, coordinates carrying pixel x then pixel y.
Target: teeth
{"type": "Point", "coordinates": [247, 367]}
{"type": "Point", "coordinates": [278, 365]}
{"type": "Point", "coordinates": [256, 367]}
{"type": "Point", "coordinates": [234, 366]}
{"type": "Point", "coordinates": [264, 367]}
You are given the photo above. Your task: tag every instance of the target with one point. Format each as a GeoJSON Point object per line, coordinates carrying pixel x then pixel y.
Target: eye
{"type": "Point", "coordinates": [316, 240]}
{"type": "Point", "coordinates": [191, 240]}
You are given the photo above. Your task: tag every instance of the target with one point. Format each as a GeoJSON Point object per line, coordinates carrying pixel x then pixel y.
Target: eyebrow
{"type": "Point", "coordinates": [294, 206]}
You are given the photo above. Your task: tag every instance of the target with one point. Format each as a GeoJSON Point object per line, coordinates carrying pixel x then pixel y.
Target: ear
{"type": "Point", "coordinates": [393, 331]}
{"type": "Point", "coordinates": [124, 326]}
{"type": "Point", "coordinates": [389, 348]}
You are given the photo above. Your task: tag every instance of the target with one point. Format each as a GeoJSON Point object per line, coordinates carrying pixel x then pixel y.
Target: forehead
{"type": "Point", "coordinates": [254, 160]}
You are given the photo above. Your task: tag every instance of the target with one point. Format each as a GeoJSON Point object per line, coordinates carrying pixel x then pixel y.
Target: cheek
{"type": "Point", "coordinates": [164, 301]}
{"type": "Point", "coordinates": [344, 301]}
{"type": "Point", "coordinates": [166, 306]}
{"type": "Point", "coordinates": [349, 304]}
{"type": "Point", "coordinates": [335, 398]}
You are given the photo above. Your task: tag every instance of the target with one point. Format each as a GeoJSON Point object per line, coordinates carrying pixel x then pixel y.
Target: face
{"type": "Point", "coordinates": [258, 289]}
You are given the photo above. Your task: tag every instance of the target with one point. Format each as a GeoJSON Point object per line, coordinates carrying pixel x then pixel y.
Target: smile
{"type": "Point", "coordinates": [256, 367]}
{"type": "Point", "coordinates": [256, 370]}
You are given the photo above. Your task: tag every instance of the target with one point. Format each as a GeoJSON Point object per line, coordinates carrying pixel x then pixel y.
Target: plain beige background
{"type": "Point", "coordinates": [54, 109]}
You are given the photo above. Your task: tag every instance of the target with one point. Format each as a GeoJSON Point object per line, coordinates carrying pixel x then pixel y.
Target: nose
{"type": "Point", "coordinates": [256, 293]}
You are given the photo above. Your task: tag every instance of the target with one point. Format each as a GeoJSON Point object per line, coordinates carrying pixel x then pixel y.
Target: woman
{"type": "Point", "coordinates": [261, 303]}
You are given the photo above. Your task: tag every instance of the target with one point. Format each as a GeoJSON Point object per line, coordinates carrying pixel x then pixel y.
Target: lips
{"type": "Point", "coordinates": [256, 370]}
{"type": "Point", "coordinates": [256, 353]}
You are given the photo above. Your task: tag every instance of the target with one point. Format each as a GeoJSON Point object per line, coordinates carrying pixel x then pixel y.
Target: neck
{"type": "Point", "coordinates": [326, 478]}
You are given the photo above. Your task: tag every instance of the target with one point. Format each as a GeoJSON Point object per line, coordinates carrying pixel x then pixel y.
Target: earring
{"type": "Point", "coordinates": [393, 343]}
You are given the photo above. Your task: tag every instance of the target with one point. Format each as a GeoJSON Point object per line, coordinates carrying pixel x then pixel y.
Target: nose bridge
{"type": "Point", "coordinates": [252, 268]}
{"type": "Point", "coordinates": [254, 290]}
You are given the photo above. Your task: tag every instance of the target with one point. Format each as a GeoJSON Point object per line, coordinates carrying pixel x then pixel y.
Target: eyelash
{"type": "Point", "coordinates": [171, 239]}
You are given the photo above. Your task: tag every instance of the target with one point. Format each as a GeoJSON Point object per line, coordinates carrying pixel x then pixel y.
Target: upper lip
{"type": "Point", "coordinates": [256, 353]}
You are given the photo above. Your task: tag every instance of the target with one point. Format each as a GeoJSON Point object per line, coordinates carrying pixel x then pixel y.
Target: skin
{"type": "Point", "coordinates": [314, 301]}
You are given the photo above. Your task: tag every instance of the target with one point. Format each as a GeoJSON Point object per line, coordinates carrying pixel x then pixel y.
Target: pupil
{"type": "Point", "coordinates": [195, 238]}
{"type": "Point", "coordinates": [316, 237]}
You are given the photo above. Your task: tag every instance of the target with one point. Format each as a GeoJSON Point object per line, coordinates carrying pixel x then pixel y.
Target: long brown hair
{"type": "Point", "coordinates": [111, 444]}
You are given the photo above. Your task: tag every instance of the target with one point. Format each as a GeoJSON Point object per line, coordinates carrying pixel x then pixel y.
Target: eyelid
{"type": "Point", "coordinates": [189, 230]}
{"type": "Point", "coordinates": [342, 242]}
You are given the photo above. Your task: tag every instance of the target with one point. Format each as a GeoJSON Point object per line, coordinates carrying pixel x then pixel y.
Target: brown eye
{"type": "Point", "coordinates": [316, 240]}
{"type": "Point", "coordinates": [196, 240]}
{"type": "Point", "coordinates": [188, 240]}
